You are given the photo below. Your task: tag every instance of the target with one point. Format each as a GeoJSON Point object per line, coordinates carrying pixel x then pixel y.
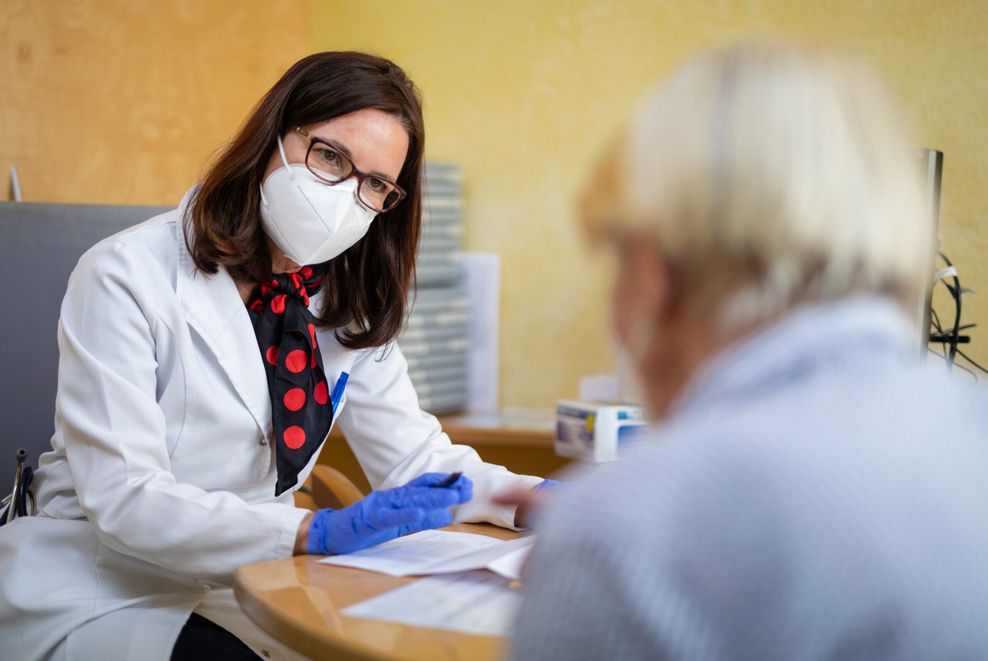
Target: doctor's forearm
{"type": "Point", "coordinates": [302, 537]}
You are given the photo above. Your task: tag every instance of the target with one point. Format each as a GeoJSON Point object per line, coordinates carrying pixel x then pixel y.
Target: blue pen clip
{"type": "Point", "coordinates": [338, 389]}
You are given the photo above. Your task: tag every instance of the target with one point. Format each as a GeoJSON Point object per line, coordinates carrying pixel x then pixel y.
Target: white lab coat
{"type": "Point", "coordinates": [161, 478]}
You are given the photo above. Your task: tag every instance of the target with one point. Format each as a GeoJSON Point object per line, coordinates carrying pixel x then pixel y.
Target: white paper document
{"type": "Point", "coordinates": [440, 552]}
{"type": "Point", "coordinates": [476, 602]}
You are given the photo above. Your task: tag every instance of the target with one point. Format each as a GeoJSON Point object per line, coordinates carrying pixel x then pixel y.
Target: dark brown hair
{"type": "Point", "coordinates": [365, 288]}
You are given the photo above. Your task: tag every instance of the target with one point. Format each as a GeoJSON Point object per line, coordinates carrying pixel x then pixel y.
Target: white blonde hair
{"type": "Point", "coordinates": [770, 175]}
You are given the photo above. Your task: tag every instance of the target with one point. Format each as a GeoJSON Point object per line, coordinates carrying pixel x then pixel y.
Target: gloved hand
{"type": "Point", "coordinates": [384, 515]}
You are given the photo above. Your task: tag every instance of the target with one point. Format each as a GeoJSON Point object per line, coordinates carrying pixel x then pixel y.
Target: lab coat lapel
{"type": "Point", "coordinates": [218, 314]}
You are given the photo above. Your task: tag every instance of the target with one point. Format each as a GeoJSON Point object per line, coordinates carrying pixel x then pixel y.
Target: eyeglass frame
{"type": "Point", "coordinates": [354, 172]}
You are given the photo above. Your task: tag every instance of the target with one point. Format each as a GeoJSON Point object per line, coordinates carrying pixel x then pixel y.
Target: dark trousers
{"type": "Point", "coordinates": [203, 639]}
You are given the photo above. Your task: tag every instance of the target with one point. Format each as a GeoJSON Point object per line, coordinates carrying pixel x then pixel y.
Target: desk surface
{"type": "Point", "coordinates": [299, 601]}
{"type": "Point", "coordinates": [509, 427]}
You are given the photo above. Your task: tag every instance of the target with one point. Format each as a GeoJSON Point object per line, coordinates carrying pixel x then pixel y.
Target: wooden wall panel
{"type": "Point", "coordinates": [123, 102]}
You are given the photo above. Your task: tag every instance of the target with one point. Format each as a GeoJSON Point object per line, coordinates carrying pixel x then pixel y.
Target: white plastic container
{"type": "Point", "coordinates": [595, 431]}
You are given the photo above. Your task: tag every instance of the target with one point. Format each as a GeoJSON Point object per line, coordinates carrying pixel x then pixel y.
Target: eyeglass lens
{"type": "Point", "coordinates": [333, 167]}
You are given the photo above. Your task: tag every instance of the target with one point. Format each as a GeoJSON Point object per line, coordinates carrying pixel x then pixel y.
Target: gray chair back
{"type": "Point", "coordinates": [39, 246]}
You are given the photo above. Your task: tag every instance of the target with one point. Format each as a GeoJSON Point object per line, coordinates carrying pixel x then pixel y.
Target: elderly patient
{"type": "Point", "coordinates": [812, 489]}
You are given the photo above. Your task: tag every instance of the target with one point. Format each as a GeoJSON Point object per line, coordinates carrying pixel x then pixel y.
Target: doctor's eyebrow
{"type": "Point", "coordinates": [340, 147]}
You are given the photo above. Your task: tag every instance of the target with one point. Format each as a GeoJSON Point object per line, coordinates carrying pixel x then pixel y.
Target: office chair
{"type": "Point", "coordinates": [39, 246]}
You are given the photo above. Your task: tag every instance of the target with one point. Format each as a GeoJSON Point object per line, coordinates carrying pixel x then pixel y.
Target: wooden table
{"type": "Point", "coordinates": [299, 602]}
{"type": "Point", "coordinates": [521, 440]}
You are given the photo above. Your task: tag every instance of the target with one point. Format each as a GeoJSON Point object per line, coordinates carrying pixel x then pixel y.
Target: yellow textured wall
{"type": "Point", "coordinates": [123, 101]}
{"type": "Point", "coordinates": [522, 93]}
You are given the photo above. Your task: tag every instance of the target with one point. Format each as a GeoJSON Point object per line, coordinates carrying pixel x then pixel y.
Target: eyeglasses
{"type": "Point", "coordinates": [331, 166]}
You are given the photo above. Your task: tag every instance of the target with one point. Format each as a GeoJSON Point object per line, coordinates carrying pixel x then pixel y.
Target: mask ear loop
{"type": "Point", "coordinates": [284, 159]}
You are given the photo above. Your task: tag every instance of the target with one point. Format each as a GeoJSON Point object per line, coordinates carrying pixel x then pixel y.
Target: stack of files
{"type": "Point", "coordinates": [435, 343]}
{"type": "Point", "coordinates": [440, 260]}
{"type": "Point", "coordinates": [435, 338]}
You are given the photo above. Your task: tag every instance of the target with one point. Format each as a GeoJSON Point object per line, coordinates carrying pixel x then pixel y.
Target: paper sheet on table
{"type": "Point", "coordinates": [440, 552]}
{"type": "Point", "coordinates": [476, 602]}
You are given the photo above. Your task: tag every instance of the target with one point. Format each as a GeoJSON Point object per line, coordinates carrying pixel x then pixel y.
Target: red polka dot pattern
{"type": "Point", "coordinates": [294, 399]}
{"type": "Point", "coordinates": [294, 437]}
{"type": "Point", "coordinates": [271, 355]}
{"type": "Point", "coordinates": [295, 361]}
{"type": "Point", "coordinates": [321, 393]}
{"type": "Point", "coordinates": [278, 304]}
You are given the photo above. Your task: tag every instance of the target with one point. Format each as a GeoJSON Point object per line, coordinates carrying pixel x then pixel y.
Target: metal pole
{"type": "Point", "coordinates": [15, 184]}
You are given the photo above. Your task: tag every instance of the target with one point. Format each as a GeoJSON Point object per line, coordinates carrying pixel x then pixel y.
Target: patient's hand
{"type": "Point", "coordinates": [527, 501]}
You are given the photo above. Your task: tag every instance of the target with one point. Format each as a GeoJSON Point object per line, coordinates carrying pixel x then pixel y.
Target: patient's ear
{"type": "Point", "coordinates": [653, 280]}
{"type": "Point", "coordinates": [642, 289]}
{"type": "Point", "coordinates": [667, 293]}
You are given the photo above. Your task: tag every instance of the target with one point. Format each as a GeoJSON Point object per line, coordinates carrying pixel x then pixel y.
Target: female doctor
{"type": "Point", "coordinates": [205, 355]}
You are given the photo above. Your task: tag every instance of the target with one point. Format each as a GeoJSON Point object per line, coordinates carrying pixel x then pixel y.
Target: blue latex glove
{"type": "Point", "coordinates": [384, 515]}
{"type": "Point", "coordinates": [547, 484]}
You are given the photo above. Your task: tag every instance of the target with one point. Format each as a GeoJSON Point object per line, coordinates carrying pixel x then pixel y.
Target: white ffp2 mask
{"type": "Point", "coordinates": [309, 220]}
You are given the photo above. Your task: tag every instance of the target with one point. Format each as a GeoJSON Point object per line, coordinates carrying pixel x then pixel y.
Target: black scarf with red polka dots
{"type": "Point", "coordinates": [286, 334]}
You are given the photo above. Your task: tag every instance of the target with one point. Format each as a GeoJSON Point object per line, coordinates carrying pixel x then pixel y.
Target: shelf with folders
{"type": "Point", "coordinates": [435, 337]}
{"type": "Point", "coordinates": [440, 260]}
